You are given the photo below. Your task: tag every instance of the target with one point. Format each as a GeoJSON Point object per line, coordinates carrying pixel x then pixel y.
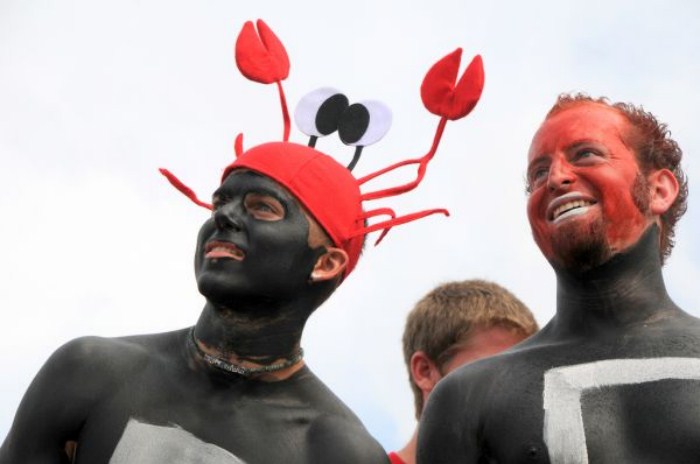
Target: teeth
{"type": "Point", "coordinates": [569, 206]}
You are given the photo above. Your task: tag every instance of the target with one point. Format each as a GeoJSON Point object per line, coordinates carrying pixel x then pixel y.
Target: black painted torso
{"type": "Point", "coordinates": [647, 411]}
{"type": "Point", "coordinates": [154, 382]}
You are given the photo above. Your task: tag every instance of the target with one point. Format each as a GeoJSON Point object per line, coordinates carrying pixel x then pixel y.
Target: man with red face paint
{"type": "Point", "coordinates": [614, 377]}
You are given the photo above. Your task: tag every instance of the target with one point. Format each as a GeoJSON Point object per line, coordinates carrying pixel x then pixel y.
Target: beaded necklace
{"type": "Point", "coordinates": [242, 370]}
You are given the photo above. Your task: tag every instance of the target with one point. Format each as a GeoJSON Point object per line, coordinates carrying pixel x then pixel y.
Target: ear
{"type": "Point", "coordinates": [424, 372]}
{"type": "Point", "coordinates": [329, 265]}
{"type": "Point", "coordinates": [663, 187]}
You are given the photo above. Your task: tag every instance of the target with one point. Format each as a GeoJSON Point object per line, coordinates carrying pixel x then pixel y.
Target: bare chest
{"type": "Point", "coordinates": [152, 420]}
{"type": "Point", "coordinates": [596, 404]}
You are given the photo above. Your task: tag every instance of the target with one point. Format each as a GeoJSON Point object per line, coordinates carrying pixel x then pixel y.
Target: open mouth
{"type": "Point", "coordinates": [564, 208]}
{"type": "Point", "coordinates": [226, 250]}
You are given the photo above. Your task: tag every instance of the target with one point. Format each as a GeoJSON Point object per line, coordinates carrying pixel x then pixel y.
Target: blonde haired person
{"type": "Point", "coordinates": [456, 323]}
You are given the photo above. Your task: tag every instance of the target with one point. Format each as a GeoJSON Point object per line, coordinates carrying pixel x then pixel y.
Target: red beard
{"type": "Point", "coordinates": [581, 248]}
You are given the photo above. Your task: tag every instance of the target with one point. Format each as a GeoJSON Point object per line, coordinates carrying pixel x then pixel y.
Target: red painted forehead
{"type": "Point", "coordinates": [592, 122]}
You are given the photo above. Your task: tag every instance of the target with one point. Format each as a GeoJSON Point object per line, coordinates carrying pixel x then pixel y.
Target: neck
{"type": "Point", "coordinates": [626, 290]}
{"type": "Point", "coordinates": [248, 335]}
{"type": "Point", "coordinates": [408, 452]}
{"type": "Point", "coordinates": [254, 332]}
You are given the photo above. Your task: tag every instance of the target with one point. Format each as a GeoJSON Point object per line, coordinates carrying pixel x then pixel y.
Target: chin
{"type": "Point", "coordinates": [579, 250]}
{"type": "Point", "coordinates": [216, 287]}
{"type": "Point", "coordinates": [247, 292]}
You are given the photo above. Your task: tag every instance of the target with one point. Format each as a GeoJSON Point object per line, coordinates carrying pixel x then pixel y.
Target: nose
{"type": "Point", "coordinates": [561, 175]}
{"type": "Point", "coordinates": [228, 217]}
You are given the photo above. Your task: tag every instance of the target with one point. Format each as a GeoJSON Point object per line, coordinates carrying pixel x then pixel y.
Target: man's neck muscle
{"type": "Point", "coordinates": [626, 290]}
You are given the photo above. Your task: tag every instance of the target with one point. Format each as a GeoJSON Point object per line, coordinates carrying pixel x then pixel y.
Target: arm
{"type": "Point", "coordinates": [448, 430]}
{"type": "Point", "coordinates": [53, 408]}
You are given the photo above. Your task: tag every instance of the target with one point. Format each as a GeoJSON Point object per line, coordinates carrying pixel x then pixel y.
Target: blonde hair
{"type": "Point", "coordinates": [448, 314]}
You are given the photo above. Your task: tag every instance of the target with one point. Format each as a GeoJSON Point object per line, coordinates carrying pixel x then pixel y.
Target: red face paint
{"type": "Point", "coordinates": [583, 179]}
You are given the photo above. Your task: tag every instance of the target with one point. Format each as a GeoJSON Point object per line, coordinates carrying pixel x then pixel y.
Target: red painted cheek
{"type": "Point", "coordinates": [625, 221]}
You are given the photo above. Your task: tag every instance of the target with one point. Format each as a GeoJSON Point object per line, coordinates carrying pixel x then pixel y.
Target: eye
{"type": "Point", "coordinates": [318, 112]}
{"type": "Point", "coordinates": [364, 123]}
{"type": "Point", "coordinates": [537, 175]}
{"type": "Point", "coordinates": [540, 173]}
{"type": "Point", "coordinates": [264, 207]}
{"type": "Point", "coordinates": [586, 156]}
{"type": "Point", "coordinates": [217, 201]}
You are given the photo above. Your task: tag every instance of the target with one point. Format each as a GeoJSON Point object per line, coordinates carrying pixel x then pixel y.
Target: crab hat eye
{"type": "Point", "coordinates": [364, 123]}
{"type": "Point", "coordinates": [318, 112]}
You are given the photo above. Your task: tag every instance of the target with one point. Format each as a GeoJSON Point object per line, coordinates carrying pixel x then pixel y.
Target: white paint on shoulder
{"type": "Point", "coordinates": [153, 444]}
{"type": "Point", "coordinates": [563, 432]}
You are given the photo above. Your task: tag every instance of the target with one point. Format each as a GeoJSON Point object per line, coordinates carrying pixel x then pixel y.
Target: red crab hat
{"type": "Point", "coordinates": [327, 189]}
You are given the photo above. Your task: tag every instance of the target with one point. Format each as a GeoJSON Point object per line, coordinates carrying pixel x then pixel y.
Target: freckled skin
{"type": "Point", "coordinates": [256, 308]}
{"type": "Point", "coordinates": [616, 308]}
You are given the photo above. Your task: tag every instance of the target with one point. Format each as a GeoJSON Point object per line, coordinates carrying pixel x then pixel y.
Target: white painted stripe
{"type": "Point", "coordinates": [563, 431]}
{"type": "Point", "coordinates": [152, 444]}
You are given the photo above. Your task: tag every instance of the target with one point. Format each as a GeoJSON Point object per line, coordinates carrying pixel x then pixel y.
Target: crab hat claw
{"type": "Point", "coordinates": [442, 97]}
{"type": "Point", "coordinates": [261, 58]}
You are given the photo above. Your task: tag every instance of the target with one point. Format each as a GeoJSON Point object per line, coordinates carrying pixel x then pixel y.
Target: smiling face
{"type": "Point", "coordinates": [588, 197]}
{"type": "Point", "coordinates": [255, 245]}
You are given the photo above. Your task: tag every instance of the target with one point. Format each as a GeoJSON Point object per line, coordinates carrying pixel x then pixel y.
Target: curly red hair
{"type": "Point", "coordinates": [655, 149]}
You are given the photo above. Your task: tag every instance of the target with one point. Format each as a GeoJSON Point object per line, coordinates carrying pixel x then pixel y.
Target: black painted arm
{"type": "Point", "coordinates": [51, 411]}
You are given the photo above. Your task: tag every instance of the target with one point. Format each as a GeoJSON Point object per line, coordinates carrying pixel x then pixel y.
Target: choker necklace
{"type": "Point", "coordinates": [238, 369]}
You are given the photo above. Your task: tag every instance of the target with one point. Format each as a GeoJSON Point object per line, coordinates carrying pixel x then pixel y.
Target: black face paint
{"type": "Point", "coordinates": [270, 258]}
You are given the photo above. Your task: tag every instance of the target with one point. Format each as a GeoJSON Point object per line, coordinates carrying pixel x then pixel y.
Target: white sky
{"type": "Point", "coordinates": [95, 96]}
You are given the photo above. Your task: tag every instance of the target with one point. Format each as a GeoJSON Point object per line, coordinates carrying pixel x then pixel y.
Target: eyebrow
{"type": "Point", "coordinates": [267, 193]}
{"type": "Point", "coordinates": [572, 146]}
{"type": "Point", "coordinates": [539, 160]}
{"type": "Point", "coordinates": [260, 190]}
{"type": "Point", "coordinates": [579, 143]}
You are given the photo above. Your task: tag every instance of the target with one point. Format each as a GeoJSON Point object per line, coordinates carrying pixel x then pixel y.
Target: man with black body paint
{"type": "Point", "coordinates": [264, 265]}
{"type": "Point", "coordinates": [288, 226]}
{"type": "Point", "coordinates": [614, 377]}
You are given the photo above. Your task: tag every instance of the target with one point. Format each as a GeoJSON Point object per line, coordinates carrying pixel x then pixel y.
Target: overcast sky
{"type": "Point", "coordinates": [96, 95]}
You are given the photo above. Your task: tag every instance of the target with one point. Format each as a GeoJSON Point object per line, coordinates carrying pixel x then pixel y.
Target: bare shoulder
{"type": "Point", "coordinates": [110, 357]}
{"type": "Point", "coordinates": [341, 439]}
{"type": "Point", "coordinates": [87, 362]}
{"type": "Point", "coordinates": [464, 406]}
{"type": "Point", "coordinates": [334, 434]}
{"type": "Point", "coordinates": [82, 371]}
{"type": "Point", "coordinates": [59, 400]}
{"type": "Point", "coordinates": [485, 371]}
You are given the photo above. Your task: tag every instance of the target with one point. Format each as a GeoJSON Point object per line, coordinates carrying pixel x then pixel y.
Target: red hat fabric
{"type": "Point", "coordinates": [324, 187]}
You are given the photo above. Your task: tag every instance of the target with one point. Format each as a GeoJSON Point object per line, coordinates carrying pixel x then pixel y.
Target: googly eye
{"type": "Point", "coordinates": [318, 112]}
{"type": "Point", "coordinates": [364, 123]}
